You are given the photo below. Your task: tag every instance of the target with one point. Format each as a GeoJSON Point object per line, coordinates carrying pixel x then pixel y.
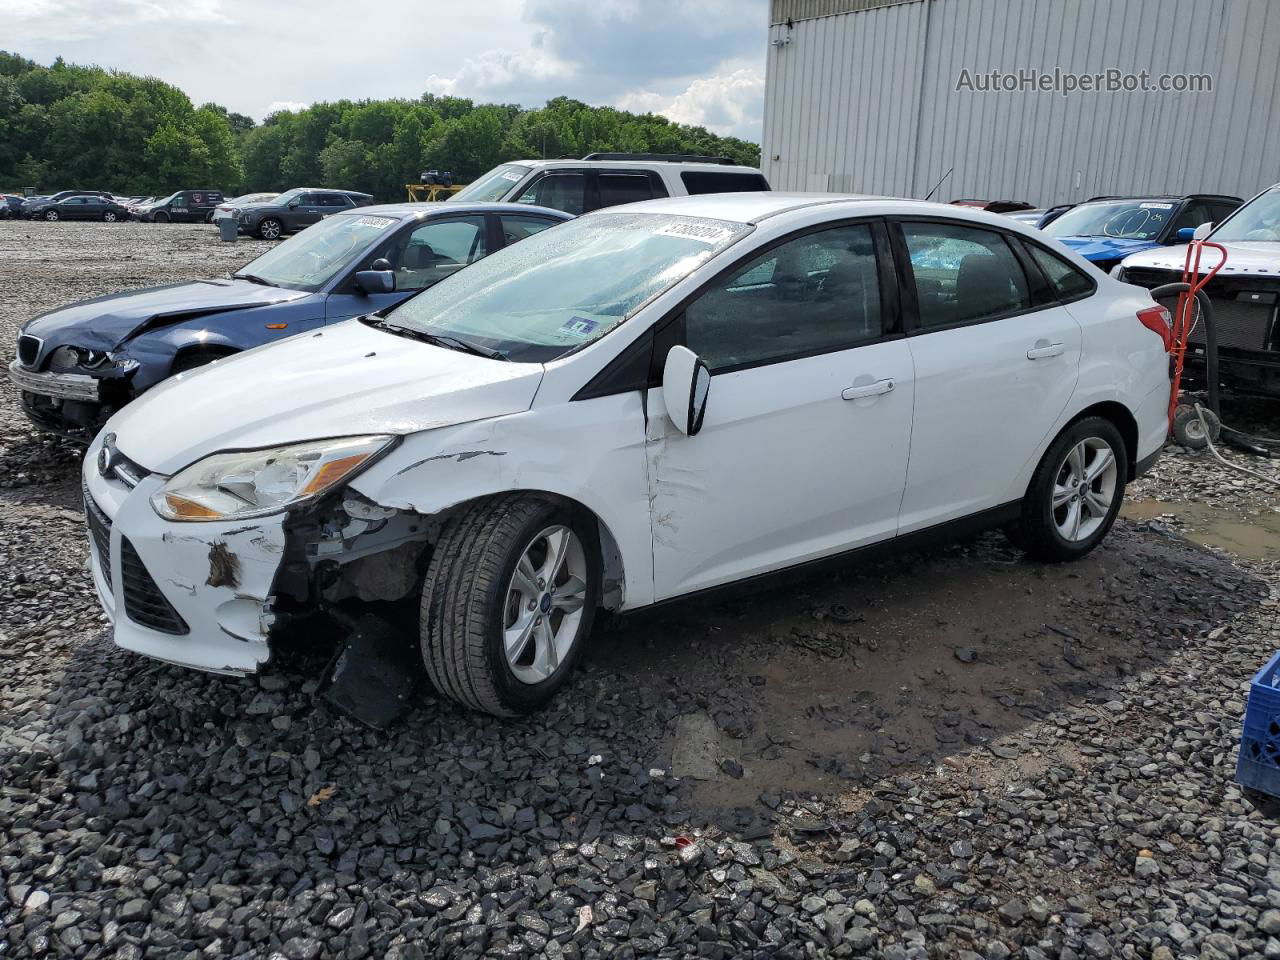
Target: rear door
{"type": "Point", "coordinates": [615, 187]}
{"type": "Point", "coordinates": [74, 208]}
{"type": "Point", "coordinates": [996, 361]}
{"type": "Point", "coordinates": [565, 190]}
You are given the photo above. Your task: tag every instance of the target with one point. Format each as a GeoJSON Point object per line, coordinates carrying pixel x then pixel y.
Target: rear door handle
{"type": "Point", "coordinates": [867, 390]}
{"type": "Point", "coordinates": [1044, 350]}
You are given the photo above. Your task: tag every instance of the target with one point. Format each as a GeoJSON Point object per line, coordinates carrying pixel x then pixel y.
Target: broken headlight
{"type": "Point", "coordinates": [254, 483]}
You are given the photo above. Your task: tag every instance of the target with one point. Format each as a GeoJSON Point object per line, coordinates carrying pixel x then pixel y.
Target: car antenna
{"type": "Point", "coordinates": [939, 183]}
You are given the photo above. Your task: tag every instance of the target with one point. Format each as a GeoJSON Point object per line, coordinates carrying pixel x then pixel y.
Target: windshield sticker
{"type": "Point", "coordinates": [378, 223]}
{"type": "Point", "coordinates": [512, 175]}
{"type": "Point", "coordinates": [708, 233]}
{"type": "Point", "coordinates": [579, 327]}
{"type": "Point", "coordinates": [1157, 206]}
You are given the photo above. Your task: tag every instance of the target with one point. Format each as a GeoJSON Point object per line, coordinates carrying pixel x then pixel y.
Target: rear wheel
{"type": "Point", "coordinates": [270, 229]}
{"type": "Point", "coordinates": [1075, 492]}
{"type": "Point", "coordinates": [51, 215]}
{"type": "Point", "coordinates": [508, 601]}
{"type": "Point", "coordinates": [110, 217]}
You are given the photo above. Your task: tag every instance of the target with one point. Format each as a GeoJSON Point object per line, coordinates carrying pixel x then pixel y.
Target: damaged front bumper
{"type": "Point", "coordinates": [194, 594]}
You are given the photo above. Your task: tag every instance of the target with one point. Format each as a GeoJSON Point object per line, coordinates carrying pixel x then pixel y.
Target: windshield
{"type": "Point", "coordinates": [565, 287]}
{"type": "Point", "coordinates": [285, 197]}
{"type": "Point", "coordinates": [1123, 219]}
{"type": "Point", "coordinates": [161, 203]}
{"type": "Point", "coordinates": [494, 185]}
{"type": "Point", "coordinates": [309, 260]}
{"type": "Point", "coordinates": [253, 198]}
{"type": "Point", "coordinates": [1257, 220]}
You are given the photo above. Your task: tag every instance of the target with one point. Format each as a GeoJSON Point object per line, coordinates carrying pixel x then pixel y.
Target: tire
{"type": "Point", "coordinates": [160, 218]}
{"type": "Point", "coordinates": [1189, 432]}
{"type": "Point", "coordinates": [471, 594]}
{"type": "Point", "coordinates": [51, 215]}
{"type": "Point", "coordinates": [196, 358]}
{"type": "Point", "coordinates": [1044, 530]}
{"type": "Point", "coordinates": [270, 229]}
{"type": "Point", "coordinates": [110, 217]}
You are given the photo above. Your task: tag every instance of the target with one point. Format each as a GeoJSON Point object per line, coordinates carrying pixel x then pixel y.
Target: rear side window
{"type": "Point", "coordinates": [1067, 282]}
{"type": "Point", "coordinates": [963, 274]}
{"type": "Point", "coordinates": [516, 228]}
{"type": "Point", "coordinates": [706, 181]}
{"type": "Point", "coordinates": [616, 188]}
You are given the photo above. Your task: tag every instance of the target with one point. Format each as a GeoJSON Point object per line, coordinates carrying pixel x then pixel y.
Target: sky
{"type": "Point", "coordinates": [699, 62]}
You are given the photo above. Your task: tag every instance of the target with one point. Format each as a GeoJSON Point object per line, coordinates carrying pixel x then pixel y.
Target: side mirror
{"type": "Point", "coordinates": [1202, 232]}
{"type": "Point", "coordinates": [1185, 235]}
{"type": "Point", "coordinates": [382, 263]}
{"type": "Point", "coordinates": [686, 381]}
{"type": "Point", "coordinates": [292, 204]}
{"type": "Point", "coordinates": [376, 281]}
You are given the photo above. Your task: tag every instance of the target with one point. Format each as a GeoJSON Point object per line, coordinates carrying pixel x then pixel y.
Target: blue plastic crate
{"type": "Point", "coordinates": [1259, 764]}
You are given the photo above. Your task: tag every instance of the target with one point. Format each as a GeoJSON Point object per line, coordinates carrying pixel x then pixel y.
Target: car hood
{"type": "Point", "coordinates": [103, 323]}
{"type": "Point", "coordinates": [347, 379]}
{"type": "Point", "coordinates": [1105, 248]}
{"type": "Point", "coordinates": [1252, 257]}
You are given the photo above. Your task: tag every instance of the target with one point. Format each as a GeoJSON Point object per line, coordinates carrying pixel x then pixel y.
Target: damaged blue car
{"type": "Point", "coordinates": [78, 364]}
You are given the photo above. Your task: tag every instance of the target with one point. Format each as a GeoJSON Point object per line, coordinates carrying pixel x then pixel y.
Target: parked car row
{"type": "Point", "coordinates": [513, 417]}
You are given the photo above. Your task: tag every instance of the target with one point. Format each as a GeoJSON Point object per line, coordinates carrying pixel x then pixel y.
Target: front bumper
{"type": "Point", "coordinates": [64, 386]}
{"type": "Point", "coordinates": [216, 577]}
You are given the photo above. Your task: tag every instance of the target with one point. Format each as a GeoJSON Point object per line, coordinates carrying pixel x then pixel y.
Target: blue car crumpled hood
{"type": "Point", "coordinates": [104, 323]}
{"type": "Point", "coordinates": [1106, 248]}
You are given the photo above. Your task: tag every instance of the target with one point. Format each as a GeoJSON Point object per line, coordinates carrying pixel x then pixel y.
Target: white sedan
{"type": "Point", "coordinates": [632, 407]}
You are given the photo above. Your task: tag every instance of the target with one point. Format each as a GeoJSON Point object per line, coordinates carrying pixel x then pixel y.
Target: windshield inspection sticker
{"type": "Point", "coordinates": [512, 175]}
{"type": "Point", "coordinates": [579, 327]}
{"type": "Point", "coordinates": [1157, 206]}
{"type": "Point", "coordinates": [706, 232]}
{"type": "Point", "coordinates": [378, 223]}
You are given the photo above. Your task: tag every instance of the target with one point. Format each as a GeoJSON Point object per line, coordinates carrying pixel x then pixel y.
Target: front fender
{"type": "Point", "coordinates": [540, 450]}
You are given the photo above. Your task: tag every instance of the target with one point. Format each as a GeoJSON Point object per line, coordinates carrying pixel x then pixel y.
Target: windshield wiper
{"type": "Point", "coordinates": [253, 278]}
{"type": "Point", "coordinates": [438, 340]}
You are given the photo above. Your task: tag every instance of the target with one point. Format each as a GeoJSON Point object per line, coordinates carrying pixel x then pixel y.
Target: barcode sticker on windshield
{"type": "Point", "coordinates": [706, 232]}
{"type": "Point", "coordinates": [579, 327]}
{"type": "Point", "coordinates": [512, 175]}
{"type": "Point", "coordinates": [1157, 206]}
{"type": "Point", "coordinates": [378, 223]}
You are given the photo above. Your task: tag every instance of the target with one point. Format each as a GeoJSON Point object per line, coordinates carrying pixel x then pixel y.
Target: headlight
{"type": "Point", "coordinates": [254, 483]}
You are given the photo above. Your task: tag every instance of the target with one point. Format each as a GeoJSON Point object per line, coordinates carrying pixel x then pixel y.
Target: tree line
{"type": "Point", "coordinates": [69, 126]}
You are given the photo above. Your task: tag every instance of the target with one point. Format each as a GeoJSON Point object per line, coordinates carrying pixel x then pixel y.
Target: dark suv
{"type": "Point", "coordinates": [185, 206]}
{"type": "Point", "coordinates": [80, 206]}
{"type": "Point", "coordinates": [296, 209]}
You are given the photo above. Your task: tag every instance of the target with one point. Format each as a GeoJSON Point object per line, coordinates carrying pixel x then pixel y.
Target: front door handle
{"type": "Point", "coordinates": [1043, 350]}
{"type": "Point", "coordinates": [867, 390]}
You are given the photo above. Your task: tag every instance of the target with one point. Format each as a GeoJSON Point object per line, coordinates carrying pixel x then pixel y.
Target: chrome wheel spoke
{"type": "Point", "coordinates": [557, 545]}
{"type": "Point", "coordinates": [546, 598]}
{"type": "Point", "coordinates": [1074, 516]}
{"type": "Point", "coordinates": [516, 637]}
{"type": "Point", "coordinates": [570, 595]}
{"type": "Point", "coordinates": [1102, 461]}
{"type": "Point", "coordinates": [1061, 495]}
{"type": "Point", "coordinates": [525, 579]}
{"type": "Point", "coordinates": [1097, 505]}
{"type": "Point", "coordinates": [547, 658]}
{"type": "Point", "coordinates": [1075, 461]}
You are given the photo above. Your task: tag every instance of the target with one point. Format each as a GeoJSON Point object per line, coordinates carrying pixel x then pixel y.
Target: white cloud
{"type": "Point", "coordinates": [495, 70]}
{"type": "Point", "coordinates": [728, 103]}
{"type": "Point", "coordinates": [275, 106]}
{"type": "Point", "coordinates": [75, 19]}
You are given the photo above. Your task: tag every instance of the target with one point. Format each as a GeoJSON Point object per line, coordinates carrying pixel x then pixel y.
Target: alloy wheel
{"type": "Point", "coordinates": [543, 610]}
{"type": "Point", "coordinates": [1084, 489]}
{"type": "Point", "coordinates": [269, 229]}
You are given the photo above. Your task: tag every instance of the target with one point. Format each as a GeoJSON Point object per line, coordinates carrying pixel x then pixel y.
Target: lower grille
{"type": "Point", "coordinates": [143, 602]}
{"type": "Point", "coordinates": [99, 533]}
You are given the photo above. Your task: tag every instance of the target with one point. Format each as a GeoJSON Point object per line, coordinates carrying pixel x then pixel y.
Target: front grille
{"type": "Point", "coordinates": [28, 350]}
{"type": "Point", "coordinates": [143, 602]}
{"type": "Point", "coordinates": [1244, 313]}
{"type": "Point", "coordinates": [99, 532]}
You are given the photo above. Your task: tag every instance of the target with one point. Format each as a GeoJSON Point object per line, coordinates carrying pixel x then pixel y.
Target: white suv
{"type": "Point", "coordinates": [608, 179]}
{"type": "Point", "coordinates": [634, 406]}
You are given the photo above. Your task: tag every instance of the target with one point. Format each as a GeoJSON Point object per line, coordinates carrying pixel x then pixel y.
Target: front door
{"type": "Point", "coordinates": [420, 256]}
{"type": "Point", "coordinates": [994, 371]}
{"type": "Point", "coordinates": [803, 449]}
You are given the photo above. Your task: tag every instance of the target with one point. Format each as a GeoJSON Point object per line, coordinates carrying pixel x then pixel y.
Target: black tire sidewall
{"type": "Point", "coordinates": [1038, 526]}
{"type": "Point", "coordinates": [516, 695]}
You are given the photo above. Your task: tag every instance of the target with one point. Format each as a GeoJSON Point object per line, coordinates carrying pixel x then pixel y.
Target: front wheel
{"type": "Point", "coordinates": [1075, 493]}
{"type": "Point", "coordinates": [160, 218]}
{"type": "Point", "coordinates": [509, 598]}
{"type": "Point", "coordinates": [110, 217]}
{"type": "Point", "coordinates": [51, 215]}
{"type": "Point", "coordinates": [270, 229]}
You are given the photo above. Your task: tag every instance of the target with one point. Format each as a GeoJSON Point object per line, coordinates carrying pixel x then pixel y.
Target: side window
{"type": "Point", "coordinates": [963, 274]}
{"type": "Point", "coordinates": [306, 199]}
{"type": "Point", "coordinates": [332, 200]}
{"type": "Point", "coordinates": [1193, 214]}
{"type": "Point", "coordinates": [705, 181]}
{"type": "Point", "coordinates": [515, 228]}
{"type": "Point", "coordinates": [1219, 211]}
{"type": "Point", "coordinates": [816, 293]}
{"type": "Point", "coordinates": [1068, 282]}
{"type": "Point", "coordinates": [559, 191]}
{"type": "Point", "coordinates": [616, 188]}
{"type": "Point", "coordinates": [433, 250]}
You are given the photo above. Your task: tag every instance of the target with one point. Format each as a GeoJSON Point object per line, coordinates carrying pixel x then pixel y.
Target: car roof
{"type": "Point", "coordinates": [750, 207]}
{"type": "Point", "coordinates": [1173, 197]}
{"type": "Point", "coordinates": [678, 165]}
{"type": "Point", "coordinates": [425, 209]}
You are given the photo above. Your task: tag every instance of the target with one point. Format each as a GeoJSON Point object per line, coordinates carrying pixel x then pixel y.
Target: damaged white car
{"type": "Point", "coordinates": [636, 406]}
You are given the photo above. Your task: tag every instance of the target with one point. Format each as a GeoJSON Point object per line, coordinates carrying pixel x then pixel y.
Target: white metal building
{"type": "Point", "coordinates": [884, 96]}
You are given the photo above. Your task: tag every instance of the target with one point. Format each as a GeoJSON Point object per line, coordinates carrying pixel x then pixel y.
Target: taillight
{"type": "Point", "coordinates": [1157, 320]}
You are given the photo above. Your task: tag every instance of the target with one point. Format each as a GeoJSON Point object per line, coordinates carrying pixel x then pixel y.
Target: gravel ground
{"type": "Point", "coordinates": [947, 754]}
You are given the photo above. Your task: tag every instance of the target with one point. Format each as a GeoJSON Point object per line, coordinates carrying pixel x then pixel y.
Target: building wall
{"type": "Point", "coordinates": [867, 101]}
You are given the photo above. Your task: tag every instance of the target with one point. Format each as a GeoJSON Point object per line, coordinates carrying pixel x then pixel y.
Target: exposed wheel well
{"type": "Point", "coordinates": [188, 358]}
{"type": "Point", "coordinates": [1123, 419]}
